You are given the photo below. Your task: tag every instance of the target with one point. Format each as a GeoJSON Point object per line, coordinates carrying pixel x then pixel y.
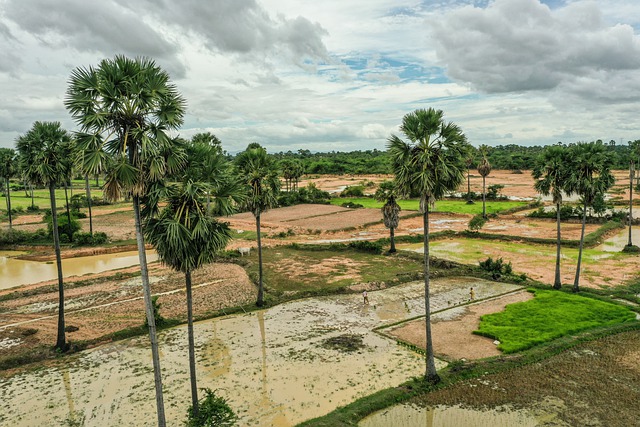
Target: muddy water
{"type": "Point", "coordinates": [448, 416]}
{"type": "Point", "coordinates": [618, 241]}
{"type": "Point", "coordinates": [15, 272]}
{"type": "Point", "coordinates": [269, 364]}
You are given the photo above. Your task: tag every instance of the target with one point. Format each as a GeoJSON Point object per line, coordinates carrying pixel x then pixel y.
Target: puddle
{"type": "Point", "coordinates": [16, 272]}
{"type": "Point", "coordinates": [448, 416]}
{"type": "Point", "coordinates": [270, 364]}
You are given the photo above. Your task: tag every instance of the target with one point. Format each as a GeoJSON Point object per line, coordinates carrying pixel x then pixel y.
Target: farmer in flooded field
{"type": "Point", "coordinates": [472, 294]}
{"type": "Point", "coordinates": [365, 296]}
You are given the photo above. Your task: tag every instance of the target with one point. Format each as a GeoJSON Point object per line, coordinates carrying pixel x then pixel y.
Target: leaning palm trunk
{"type": "Point", "coordinates": [192, 356]}
{"type": "Point", "coordinates": [9, 204]}
{"type": "Point", "coordinates": [146, 289]}
{"type": "Point", "coordinates": [431, 374]}
{"type": "Point", "coordinates": [260, 301]}
{"type": "Point", "coordinates": [557, 283]}
{"type": "Point", "coordinates": [88, 189]}
{"type": "Point", "coordinates": [576, 282]}
{"type": "Point", "coordinates": [61, 342]}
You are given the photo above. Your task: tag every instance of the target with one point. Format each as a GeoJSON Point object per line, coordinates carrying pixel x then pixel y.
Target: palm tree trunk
{"type": "Point", "coordinates": [260, 301]}
{"type": "Point", "coordinates": [576, 282]}
{"type": "Point", "coordinates": [393, 241]}
{"type": "Point", "coordinates": [557, 283]}
{"type": "Point", "coordinates": [192, 351]}
{"type": "Point", "coordinates": [9, 204]}
{"type": "Point", "coordinates": [431, 375]}
{"type": "Point", "coordinates": [66, 198]}
{"type": "Point", "coordinates": [484, 210]}
{"type": "Point", "coordinates": [86, 180]}
{"type": "Point", "coordinates": [144, 274]}
{"type": "Point", "coordinates": [31, 188]}
{"type": "Point", "coordinates": [61, 342]}
{"type": "Point", "coordinates": [631, 173]}
{"type": "Point", "coordinates": [26, 193]}
{"type": "Point", "coordinates": [468, 184]}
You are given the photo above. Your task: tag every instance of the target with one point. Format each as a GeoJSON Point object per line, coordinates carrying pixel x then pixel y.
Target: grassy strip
{"type": "Point", "coordinates": [352, 413]}
{"type": "Point", "coordinates": [548, 316]}
{"type": "Point", "coordinates": [447, 205]}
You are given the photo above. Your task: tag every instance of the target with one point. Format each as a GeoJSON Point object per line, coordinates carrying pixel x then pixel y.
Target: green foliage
{"type": "Point", "coordinates": [366, 246]}
{"type": "Point", "coordinates": [550, 315]}
{"type": "Point", "coordinates": [353, 191]}
{"type": "Point", "coordinates": [309, 194]}
{"type": "Point", "coordinates": [566, 212]}
{"type": "Point", "coordinates": [159, 320]}
{"type": "Point", "coordinates": [213, 411]}
{"type": "Point", "coordinates": [453, 206]}
{"type": "Point", "coordinates": [65, 227]}
{"type": "Point", "coordinates": [477, 222]}
{"type": "Point", "coordinates": [86, 239]}
{"type": "Point", "coordinates": [497, 268]}
{"type": "Point", "coordinates": [16, 237]}
{"type": "Point", "coordinates": [493, 192]}
{"type": "Point", "coordinates": [351, 205]}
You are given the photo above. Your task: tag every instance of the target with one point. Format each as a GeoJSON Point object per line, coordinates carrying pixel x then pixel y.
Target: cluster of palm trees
{"type": "Point", "coordinates": [126, 110]}
{"type": "Point", "coordinates": [292, 171]}
{"type": "Point", "coordinates": [583, 169]}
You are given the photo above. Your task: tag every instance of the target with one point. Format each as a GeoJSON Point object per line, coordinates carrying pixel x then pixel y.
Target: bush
{"type": "Point", "coordinates": [65, 228]}
{"type": "Point", "coordinates": [477, 222]}
{"type": "Point", "coordinates": [308, 194]}
{"type": "Point", "coordinates": [566, 212]}
{"type": "Point", "coordinates": [16, 237]}
{"type": "Point", "coordinates": [82, 238]}
{"type": "Point", "coordinates": [353, 191]}
{"type": "Point", "coordinates": [33, 208]}
{"type": "Point", "coordinates": [212, 411]}
{"type": "Point", "coordinates": [366, 246]}
{"type": "Point", "coordinates": [352, 205]}
{"type": "Point", "coordinates": [493, 192]}
{"type": "Point", "coordinates": [497, 268]}
{"type": "Point", "coordinates": [159, 320]}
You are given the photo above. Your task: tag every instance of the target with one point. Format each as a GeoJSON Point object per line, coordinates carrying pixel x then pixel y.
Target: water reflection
{"type": "Point", "coordinates": [16, 272]}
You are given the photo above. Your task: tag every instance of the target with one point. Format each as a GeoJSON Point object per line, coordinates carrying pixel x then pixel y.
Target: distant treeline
{"type": "Point", "coordinates": [509, 157]}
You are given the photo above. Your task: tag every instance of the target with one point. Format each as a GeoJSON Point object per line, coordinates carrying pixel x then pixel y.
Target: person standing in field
{"type": "Point", "coordinates": [366, 297]}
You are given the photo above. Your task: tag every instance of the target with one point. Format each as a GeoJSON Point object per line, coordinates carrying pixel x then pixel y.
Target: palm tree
{"type": "Point", "coordinates": [551, 172]}
{"type": "Point", "coordinates": [186, 238]}
{"type": "Point", "coordinates": [431, 165]}
{"type": "Point", "coordinates": [386, 193]}
{"type": "Point", "coordinates": [40, 159]}
{"type": "Point", "coordinates": [590, 177]}
{"type": "Point", "coordinates": [7, 171]}
{"type": "Point", "coordinates": [484, 168]}
{"type": "Point", "coordinates": [470, 156]}
{"type": "Point", "coordinates": [125, 109]}
{"type": "Point", "coordinates": [261, 177]}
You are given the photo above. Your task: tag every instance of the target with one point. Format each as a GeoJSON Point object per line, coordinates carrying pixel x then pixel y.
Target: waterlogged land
{"type": "Point", "coordinates": [274, 366]}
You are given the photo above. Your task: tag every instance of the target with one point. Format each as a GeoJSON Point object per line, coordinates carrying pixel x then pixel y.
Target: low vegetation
{"type": "Point", "coordinates": [548, 316]}
{"type": "Point", "coordinates": [454, 206]}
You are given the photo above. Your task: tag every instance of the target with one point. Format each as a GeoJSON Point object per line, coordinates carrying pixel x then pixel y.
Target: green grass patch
{"type": "Point", "coordinates": [453, 206]}
{"type": "Point", "coordinates": [550, 315]}
{"type": "Point", "coordinates": [19, 200]}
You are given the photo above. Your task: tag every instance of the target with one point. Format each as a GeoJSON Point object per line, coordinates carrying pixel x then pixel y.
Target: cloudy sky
{"type": "Point", "coordinates": [340, 74]}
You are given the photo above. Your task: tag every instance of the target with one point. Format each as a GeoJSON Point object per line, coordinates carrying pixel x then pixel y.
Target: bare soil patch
{"type": "Point", "coordinates": [453, 338]}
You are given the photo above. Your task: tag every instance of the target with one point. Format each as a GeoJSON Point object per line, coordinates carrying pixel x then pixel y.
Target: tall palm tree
{"type": "Point", "coordinates": [186, 238]}
{"type": "Point", "coordinates": [40, 158]}
{"type": "Point", "coordinates": [429, 164]}
{"type": "Point", "coordinates": [387, 193]}
{"type": "Point", "coordinates": [7, 171]}
{"type": "Point", "coordinates": [484, 168]}
{"type": "Point", "coordinates": [551, 172]}
{"type": "Point", "coordinates": [125, 109]}
{"type": "Point", "coordinates": [260, 174]}
{"type": "Point", "coordinates": [469, 158]}
{"type": "Point", "coordinates": [590, 177]}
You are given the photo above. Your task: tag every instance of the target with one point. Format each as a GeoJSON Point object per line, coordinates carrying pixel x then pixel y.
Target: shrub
{"type": "Point", "coordinates": [366, 246]}
{"type": "Point", "coordinates": [497, 268]}
{"type": "Point", "coordinates": [353, 191]}
{"type": "Point", "coordinates": [82, 238]}
{"type": "Point", "coordinates": [213, 411]}
{"type": "Point", "coordinates": [477, 222]}
{"type": "Point", "coordinates": [159, 320]}
{"type": "Point", "coordinates": [33, 208]}
{"type": "Point", "coordinates": [493, 192]}
{"type": "Point", "coordinates": [352, 205]}
{"type": "Point", "coordinates": [65, 228]}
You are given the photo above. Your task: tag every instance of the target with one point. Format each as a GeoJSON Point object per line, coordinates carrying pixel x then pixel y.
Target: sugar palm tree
{"type": "Point", "coordinates": [125, 109]}
{"type": "Point", "coordinates": [430, 164]}
{"type": "Point", "coordinates": [40, 159]}
{"type": "Point", "coordinates": [8, 171]}
{"type": "Point", "coordinates": [590, 177]}
{"type": "Point", "coordinates": [260, 174]}
{"type": "Point", "coordinates": [484, 168]}
{"type": "Point", "coordinates": [387, 193]}
{"type": "Point", "coordinates": [469, 158]}
{"type": "Point", "coordinates": [186, 238]}
{"type": "Point", "coordinates": [551, 172]}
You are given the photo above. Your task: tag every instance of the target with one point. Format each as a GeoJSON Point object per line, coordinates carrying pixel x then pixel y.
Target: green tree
{"type": "Point", "coordinates": [125, 108]}
{"type": "Point", "coordinates": [590, 178]}
{"type": "Point", "coordinates": [8, 171]}
{"type": "Point", "coordinates": [387, 193]}
{"type": "Point", "coordinates": [40, 159]}
{"type": "Point", "coordinates": [430, 164]}
{"type": "Point", "coordinates": [551, 171]}
{"type": "Point", "coordinates": [484, 168]}
{"type": "Point", "coordinates": [469, 158]}
{"type": "Point", "coordinates": [260, 174]}
{"type": "Point", "coordinates": [185, 238]}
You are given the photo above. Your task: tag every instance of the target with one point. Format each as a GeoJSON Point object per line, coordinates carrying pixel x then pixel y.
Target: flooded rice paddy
{"type": "Point", "coordinates": [408, 415]}
{"type": "Point", "coordinates": [16, 272]}
{"type": "Point", "coordinates": [270, 365]}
